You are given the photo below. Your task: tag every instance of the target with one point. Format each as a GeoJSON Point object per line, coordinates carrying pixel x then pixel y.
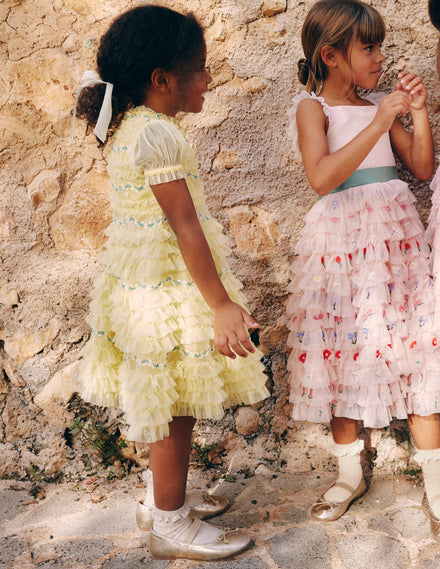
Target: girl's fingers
{"type": "Point", "coordinates": [221, 343]}
{"type": "Point", "coordinates": [237, 347]}
{"type": "Point", "coordinates": [249, 321]}
{"type": "Point", "coordinates": [418, 89]}
{"type": "Point", "coordinates": [233, 346]}
{"type": "Point", "coordinates": [406, 76]}
{"type": "Point", "coordinates": [410, 82]}
{"type": "Point", "coordinates": [414, 85]}
{"type": "Point", "coordinates": [241, 343]}
{"type": "Point", "coordinates": [231, 332]}
{"type": "Point", "coordinates": [248, 345]}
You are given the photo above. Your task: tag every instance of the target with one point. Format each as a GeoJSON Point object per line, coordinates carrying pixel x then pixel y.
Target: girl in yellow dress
{"type": "Point", "coordinates": [167, 316]}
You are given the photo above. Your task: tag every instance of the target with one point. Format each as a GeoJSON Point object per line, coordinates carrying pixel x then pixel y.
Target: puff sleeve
{"type": "Point", "coordinates": [157, 152]}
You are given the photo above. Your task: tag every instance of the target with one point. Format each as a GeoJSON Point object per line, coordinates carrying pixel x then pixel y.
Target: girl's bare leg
{"type": "Point", "coordinates": [169, 461]}
{"type": "Point", "coordinates": [344, 430]}
{"type": "Point", "coordinates": [426, 434]}
{"type": "Point", "coordinates": [425, 430]}
{"type": "Point", "coordinates": [350, 484]}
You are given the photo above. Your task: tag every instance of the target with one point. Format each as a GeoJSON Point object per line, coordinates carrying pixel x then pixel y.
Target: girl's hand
{"type": "Point", "coordinates": [413, 85]}
{"type": "Point", "coordinates": [230, 327]}
{"type": "Point", "coordinates": [396, 102]}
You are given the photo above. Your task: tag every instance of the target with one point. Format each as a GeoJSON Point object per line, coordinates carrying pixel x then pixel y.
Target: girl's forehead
{"type": "Point", "coordinates": [361, 43]}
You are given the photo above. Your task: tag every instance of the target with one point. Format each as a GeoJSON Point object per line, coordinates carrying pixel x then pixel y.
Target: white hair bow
{"type": "Point", "coordinates": [88, 79]}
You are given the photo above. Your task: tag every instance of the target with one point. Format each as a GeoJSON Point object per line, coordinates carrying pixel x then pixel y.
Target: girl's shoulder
{"type": "Point", "coordinates": [305, 98]}
{"type": "Point", "coordinates": [142, 123]}
{"type": "Point", "coordinates": [304, 101]}
{"type": "Point", "coordinates": [155, 143]}
{"type": "Point", "coordinates": [144, 119]}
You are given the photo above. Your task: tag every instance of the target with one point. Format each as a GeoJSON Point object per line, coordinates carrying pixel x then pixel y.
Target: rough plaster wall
{"type": "Point", "coordinates": [54, 207]}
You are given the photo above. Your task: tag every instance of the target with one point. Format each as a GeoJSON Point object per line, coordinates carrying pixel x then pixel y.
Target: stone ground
{"type": "Point", "coordinates": [92, 525]}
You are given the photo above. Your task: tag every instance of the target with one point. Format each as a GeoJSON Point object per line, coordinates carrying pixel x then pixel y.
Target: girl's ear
{"type": "Point", "coordinates": [160, 80]}
{"type": "Point", "coordinates": [328, 56]}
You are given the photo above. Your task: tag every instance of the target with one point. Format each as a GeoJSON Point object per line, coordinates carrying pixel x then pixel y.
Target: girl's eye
{"type": "Point", "coordinates": [369, 48]}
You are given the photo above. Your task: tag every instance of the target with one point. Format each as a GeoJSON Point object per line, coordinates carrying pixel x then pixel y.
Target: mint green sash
{"type": "Point", "coordinates": [368, 176]}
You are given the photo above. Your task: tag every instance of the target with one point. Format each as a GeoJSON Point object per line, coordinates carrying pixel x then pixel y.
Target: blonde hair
{"type": "Point", "coordinates": [336, 23]}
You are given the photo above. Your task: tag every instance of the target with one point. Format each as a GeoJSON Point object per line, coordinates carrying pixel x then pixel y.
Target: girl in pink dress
{"type": "Point", "coordinates": [361, 309]}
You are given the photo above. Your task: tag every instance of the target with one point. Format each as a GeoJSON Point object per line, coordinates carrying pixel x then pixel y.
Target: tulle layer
{"type": "Point", "coordinates": [143, 320]}
{"type": "Point", "coordinates": [361, 310]}
{"type": "Point", "coordinates": [147, 254]}
{"type": "Point", "coordinates": [152, 355]}
{"type": "Point", "coordinates": [150, 393]}
{"type": "Point", "coordinates": [433, 237]}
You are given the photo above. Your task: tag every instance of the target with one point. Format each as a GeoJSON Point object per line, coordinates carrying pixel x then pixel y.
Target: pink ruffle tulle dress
{"type": "Point", "coordinates": [361, 308]}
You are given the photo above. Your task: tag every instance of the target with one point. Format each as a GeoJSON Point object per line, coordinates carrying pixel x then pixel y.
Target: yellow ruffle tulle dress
{"type": "Point", "coordinates": [151, 352]}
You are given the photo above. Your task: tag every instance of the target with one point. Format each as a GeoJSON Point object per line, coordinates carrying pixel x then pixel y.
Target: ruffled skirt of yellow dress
{"type": "Point", "coordinates": [151, 352]}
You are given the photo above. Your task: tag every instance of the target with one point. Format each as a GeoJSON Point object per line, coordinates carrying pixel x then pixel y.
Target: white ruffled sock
{"type": "Point", "coordinates": [430, 463]}
{"type": "Point", "coordinates": [147, 477]}
{"type": "Point", "coordinates": [177, 525]}
{"type": "Point", "coordinates": [350, 470]}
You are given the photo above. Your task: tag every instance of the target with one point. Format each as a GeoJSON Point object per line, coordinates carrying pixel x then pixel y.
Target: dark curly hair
{"type": "Point", "coordinates": [434, 12]}
{"type": "Point", "coordinates": [139, 41]}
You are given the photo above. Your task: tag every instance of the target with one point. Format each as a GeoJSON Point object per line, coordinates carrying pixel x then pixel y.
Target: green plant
{"type": "Point", "coordinates": [36, 479]}
{"type": "Point", "coordinates": [106, 440]}
{"type": "Point", "coordinates": [103, 437]}
{"type": "Point", "coordinates": [77, 425]}
{"type": "Point", "coordinates": [230, 478]}
{"type": "Point", "coordinates": [415, 473]}
{"type": "Point", "coordinates": [204, 454]}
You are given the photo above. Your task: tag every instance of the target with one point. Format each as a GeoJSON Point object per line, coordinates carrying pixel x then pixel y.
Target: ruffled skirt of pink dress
{"type": "Point", "coordinates": [433, 238]}
{"type": "Point", "coordinates": [361, 310]}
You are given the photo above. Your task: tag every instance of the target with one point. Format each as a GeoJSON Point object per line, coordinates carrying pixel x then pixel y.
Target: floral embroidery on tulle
{"type": "Point", "coordinates": [150, 224]}
{"type": "Point", "coordinates": [161, 284]}
{"type": "Point", "coordinates": [148, 362]}
{"type": "Point", "coordinates": [371, 268]}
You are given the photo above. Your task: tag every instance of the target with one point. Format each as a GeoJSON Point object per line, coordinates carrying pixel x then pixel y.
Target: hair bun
{"type": "Point", "coordinates": [303, 70]}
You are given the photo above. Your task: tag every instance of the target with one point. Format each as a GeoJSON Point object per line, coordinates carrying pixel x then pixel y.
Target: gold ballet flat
{"type": "Point", "coordinates": [434, 522]}
{"type": "Point", "coordinates": [325, 511]}
{"type": "Point", "coordinates": [209, 506]}
{"type": "Point", "coordinates": [228, 544]}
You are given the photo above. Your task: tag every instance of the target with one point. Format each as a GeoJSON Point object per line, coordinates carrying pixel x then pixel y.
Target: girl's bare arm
{"type": "Point", "coordinates": [230, 319]}
{"type": "Point", "coordinates": [326, 171]}
{"type": "Point", "coordinates": [417, 150]}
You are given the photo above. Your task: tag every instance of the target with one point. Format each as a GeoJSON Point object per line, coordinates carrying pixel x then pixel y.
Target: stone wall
{"type": "Point", "coordinates": [54, 207]}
